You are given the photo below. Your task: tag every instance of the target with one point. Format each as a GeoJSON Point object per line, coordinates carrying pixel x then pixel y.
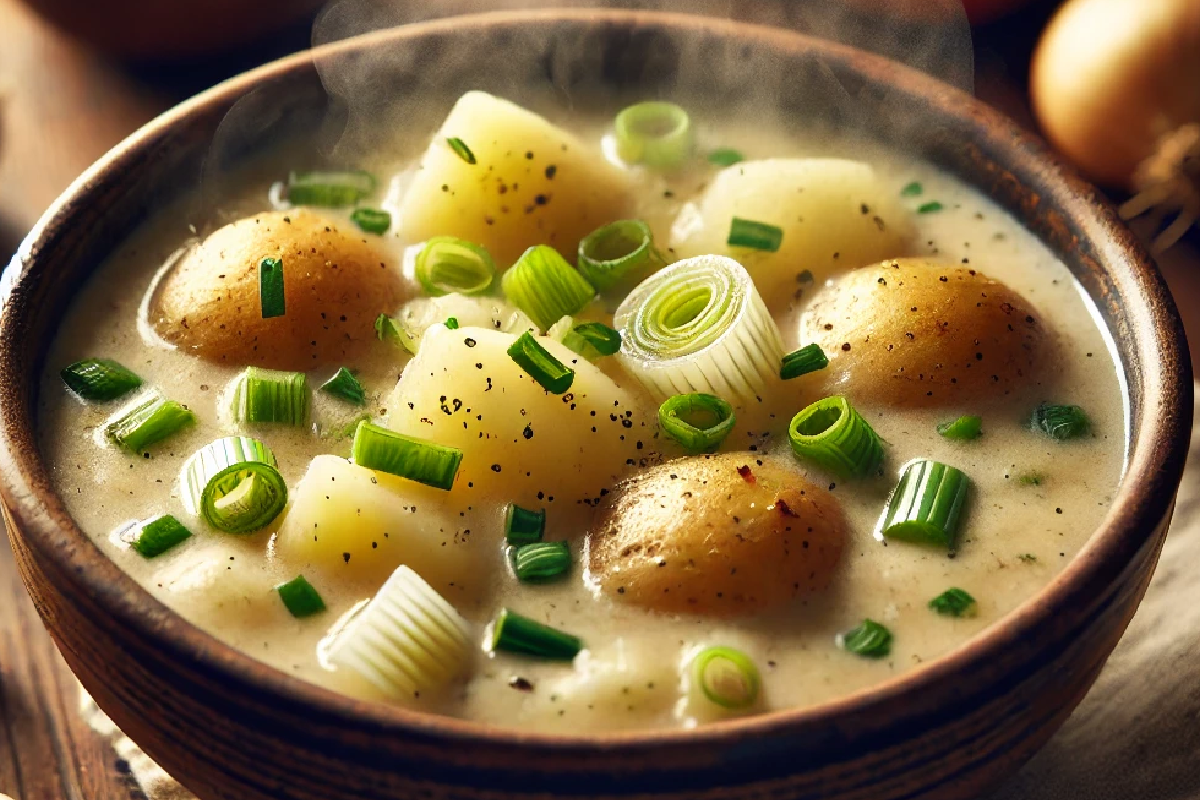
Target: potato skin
{"type": "Point", "coordinates": [336, 282]}
{"type": "Point", "coordinates": [697, 535]}
{"type": "Point", "coordinates": [911, 332]}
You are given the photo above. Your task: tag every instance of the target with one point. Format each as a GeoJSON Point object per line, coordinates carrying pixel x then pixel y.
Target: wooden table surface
{"type": "Point", "coordinates": [63, 107]}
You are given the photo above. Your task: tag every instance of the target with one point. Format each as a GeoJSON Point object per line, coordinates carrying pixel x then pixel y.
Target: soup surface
{"type": "Point", "coordinates": [640, 515]}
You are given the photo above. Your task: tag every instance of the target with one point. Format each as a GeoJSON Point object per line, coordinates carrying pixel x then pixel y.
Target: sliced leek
{"type": "Point", "coordinates": [268, 395]}
{"type": "Point", "coordinates": [233, 484]}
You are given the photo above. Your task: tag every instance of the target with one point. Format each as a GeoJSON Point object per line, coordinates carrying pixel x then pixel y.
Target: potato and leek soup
{"type": "Point", "coordinates": [642, 422]}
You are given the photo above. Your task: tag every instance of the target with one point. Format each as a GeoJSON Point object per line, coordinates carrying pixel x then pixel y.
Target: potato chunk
{"type": "Point", "coordinates": [917, 332]}
{"type": "Point", "coordinates": [715, 535]}
{"type": "Point", "coordinates": [531, 183]}
{"type": "Point", "coordinates": [335, 283]}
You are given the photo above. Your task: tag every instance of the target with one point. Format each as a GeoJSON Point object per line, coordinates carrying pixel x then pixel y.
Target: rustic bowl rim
{"type": "Point", "coordinates": [1139, 506]}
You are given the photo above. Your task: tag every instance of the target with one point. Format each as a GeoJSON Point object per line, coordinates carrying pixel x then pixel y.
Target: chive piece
{"type": "Point", "coordinates": [962, 429]}
{"type": "Point", "coordinates": [301, 599]}
{"type": "Point", "coordinates": [869, 640]}
{"type": "Point", "coordinates": [513, 633]}
{"type": "Point", "coordinates": [447, 264]}
{"type": "Point", "coordinates": [268, 395]}
{"type": "Point", "coordinates": [725, 157]}
{"type": "Point", "coordinates": [698, 421]}
{"type": "Point", "coordinates": [592, 340]}
{"type": "Point", "coordinates": [954, 602]}
{"type": "Point", "coordinates": [329, 189]}
{"type": "Point", "coordinates": [343, 384]}
{"type": "Point", "coordinates": [755, 235]}
{"type": "Point", "coordinates": [654, 133]}
{"type": "Point", "coordinates": [927, 505]}
{"type": "Point", "coordinates": [233, 484]}
{"type": "Point", "coordinates": [541, 561]}
{"type": "Point", "coordinates": [930, 208]}
{"type": "Point", "coordinates": [726, 677]}
{"type": "Point", "coordinates": [545, 286]}
{"type": "Point", "coordinates": [452, 323]}
{"type": "Point", "coordinates": [99, 380]}
{"type": "Point", "coordinates": [160, 535]}
{"type": "Point", "coordinates": [523, 526]}
{"type": "Point", "coordinates": [270, 287]}
{"type": "Point", "coordinates": [833, 435]}
{"type": "Point", "coordinates": [1060, 422]}
{"type": "Point", "coordinates": [912, 189]}
{"type": "Point", "coordinates": [461, 150]}
{"type": "Point", "coordinates": [1032, 478]}
{"type": "Point", "coordinates": [148, 421]}
{"type": "Point", "coordinates": [810, 358]}
{"type": "Point", "coordinates": [544, 368]}
{"type": "Point", "coordinates": [371, 220]}
{"type": "Point", "coordinates": [407, 456]}
{"type": "Point", "coordinates": [620, 252]}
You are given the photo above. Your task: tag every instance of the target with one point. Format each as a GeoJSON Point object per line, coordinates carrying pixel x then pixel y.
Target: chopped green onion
{"type": "Point", "coordinates": [962, 429]}
{"type": "Point", "coordinates": [1031, 478]}
{"type": "Point", "coordinates": [148, 421]}
{"type": "Point", "coordinates": [99, 379]}
{"type": "Point", "coordinates": [160, 535]}
{"type": "Point", "coordinates": [869, 640]}
{"type": "Point", "coordinates": [541, 561]}
{"type": "Point", "coordinates": [300, 598]}
{"type": "Point", "coordinates": [513, 633]}
{"type": "Point", "coordinates": [523, 526]}
{"type": "Point", "coordinates": [329, 189]}
{"type": "Point", "coordinates": [270, 288]}
{"type": "Point", "coordinates": [343, 384]}
{"type": "Point", "coordinates": [461, 150]}
{"type": "Point", "coordinates": [386, 330]}
{"type": "Point", "coordinates": [1060, 422]}
{"type": "Point", "coordinates": [654, 133]}
{"type": "Point", "coordinates": [451, 323]}
{"type": "Point", "coordinates": [927, 505]}
{"type": "Point", "coordinates": [233, 484]}
{"type": "Point", "coordinates": [810, 358]}
{"type": "Point", "coordinates": [954, 603]}
{"type": "Point", "coordinates": [725, 157]}
{"type": "Point", "coordinates": [726, 677]}
{"type": "Point", "coordinates": [448, 265]}
{"type": "Point", "coordinates": [544, 368]}
{"type": "Point", "coordinates": [592, 340]}
{"type": "Point", "coordinates": [407, 456]}
{"type": "Point", "coordinates": [912, 189]}
{"type": "Point", "coordinates": [698, 421]}
{"type": "Point", "coordinates": [545, 286]}
{"type": "Point", "coordinates": [1028, 558]}
{"type": "Point", "coordinates": [371, 220]}
{"type": "Point", "coordinates": [833, 435]}
{"type": "Point", "coordinates": [268, 395]}
{"type": "Point", "coordinates": [618, 252]}
{"type": "Point", "coordinates": [930, 207]}
{"type": "Point", "coordinates": [755, 235]}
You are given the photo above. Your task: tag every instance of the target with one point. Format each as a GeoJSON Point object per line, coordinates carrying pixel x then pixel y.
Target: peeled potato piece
{"type": "Point", "coordinates": [835, 215]}
{"type": "Point", "coordinates": [531, 183]}
{"type": "Point", "coordinates": [916, 332]}
{"type": "Point", "coordinates": [336, 282]}
{"type": "Point", "coordinates": [716, 535]}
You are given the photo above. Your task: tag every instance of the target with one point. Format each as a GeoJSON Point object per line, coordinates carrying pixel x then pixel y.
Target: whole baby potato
{"type": "Point", "coordinates": [336, 282]}
{"type": "Point", "coordinates": [717, 534]}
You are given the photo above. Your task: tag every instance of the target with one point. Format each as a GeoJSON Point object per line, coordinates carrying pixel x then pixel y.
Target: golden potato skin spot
{"type": "Point", "coordinates": [719, 535]}
{"type": "Point", "coordinates": [336, 282]}
{"type": "Point", "coordinates": [912, 332]}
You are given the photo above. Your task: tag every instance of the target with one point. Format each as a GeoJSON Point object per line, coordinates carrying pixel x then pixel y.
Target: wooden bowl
{"type": "Point", "coordinates": [228, 726]}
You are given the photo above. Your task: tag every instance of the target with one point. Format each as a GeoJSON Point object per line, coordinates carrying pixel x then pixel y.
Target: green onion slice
{"type": "Point", "coordinates": [541, 561]}
{"type": "Point", "coordinates": [513, 633]}
{"type": "Point", "coordinates": [387, 330]}
{"type": "Point", "coordinates": [954, 603]}
{"type": "Point", "coordinates": [329, 189]}
{"type": "Point", "coordinates": [911, 189]}
{"type": "Point", "coordinates": [725, 676]}
{"type": "Point", "coordinates": [523, 526]}
{"type": "Point", "coordinates": [344, 385]}
{"type": "Point", "coordinates": [927, 505]}
{"type": "Point", "coordinates": [592, 340]}
{"type": "Point", "coordinates": [160, 535]}
{"type": "Point", "coordinates": [962, 429]}
{"type": "Point", "coordinates": [698, 421]}
{"type": "Point", "coordinates": [451, 323]}
{"type": "Point", "coordinates": [655, 133]}
{"type": "Point", "coordinates": [371, 220]}
{"type": "Point", "coordinates": [1060, 422]}
{"type": "Point", "coordinates": [754, 235]}
{"type": "Point", "coordinates": [300, 598]}
{"type": "Point", "coordinates": [543, 367]}
{"type": "Point", "coordinates": [833, 435]}
{"type": "Point", "coordinates": [447, 264]}
{"type": "Point", "coordinates": [869, 640]}
{"type": "Point", "coordinates": [99, 380]}
{"type": "Point", "coordinates": [233, 484]}
{"type": "Point", "coordinates": [617, 253]}
{"type": "Point", "coordinates": [460, 149]}
{"type": "Point", "coordinates": [700, 325]}
{"type": "Point", "coordinates": [725, 157]}
{"type": "Point", "coordinates": [810, 358]}
{"type": "Point", "coordinates": [148, 421]}
{"type": "Point", "coordinates": [407, 456]}
{"type": "Point", "coordinates": [931, 207]}
{"type": "Point", "coordinates": [270, 288]}
{"type": "Point", "coordinates": [545, 286]}
{"type": "Point", "coordinates": [268, 395]}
